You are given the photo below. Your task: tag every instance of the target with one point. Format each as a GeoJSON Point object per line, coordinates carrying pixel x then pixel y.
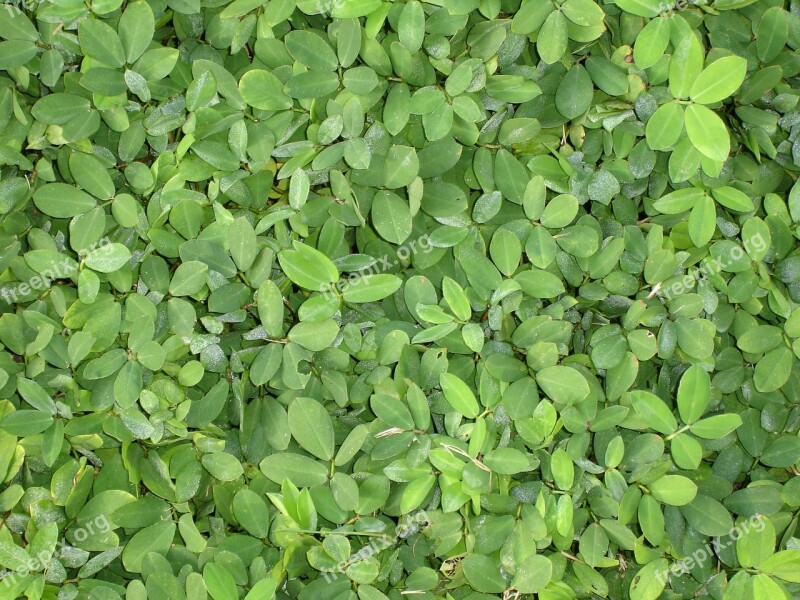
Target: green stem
{"type": "Point", "coordinates": [677, 433]}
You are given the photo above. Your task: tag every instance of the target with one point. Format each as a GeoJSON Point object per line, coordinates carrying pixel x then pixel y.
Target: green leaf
{"type": "Point", "coordinates": [397, 108]}
{"type": "Point", "coordinates": [90, 174]}
{"type": "Point", "coordinates": [551, 43]}
{"type": "Point", "coordinates": [707, 132]}
{"type": "Point", "coordinates": [583, 12]}
{"type": "Point", "coordinates": [640, 8]}
{"type": "Point", "coordinates": [760, 339]}
{"type": "Point", "coordinates": [222, 466]}
{"type": "Point", "coordinates": [391, 217]}
{"type": "Point", "coordinates": [719, 80]}
{"type": "Point", "coordinates": [311, 425]}
{"type": "Point", "coordinates": [242, 242]}
{"type": "Point", "coordinates": [506, 251]}
{"type": "Point", "coordinates": [352, 10]}
{"type": "Point", "coordinates": [189, 278]}
{"type": "Point", "coordinates": [392, 412]}
{"type": "Point", "coordinates": [263, 590]}
{"type": "Point", "coordinates": [371, 288]}
{"type": "Point", "coordinates": [311, 85]}
{"type": "Point", "coordinates": [456, 299]}
{"type": "Point", "coordinates": [562, 468]}
{"type": "Point", "coordinates": [401, 167]}
{"type": "Point", "coordinates": [15, 53]}
{"type": "Point", "coordinates": [62, 201]}
{"type": "Point", "coordinates": [674, 490]}
{"type": "Point", "coordinates": [618, 533]}
{"type": "Point", "coordinates": [732, 199]}
{"type": "Point", "coordinates": [687, 453]}
{"type": "Point", "coordinates": [707, 516]}
{"type": "Point", "coordinates": [36, 396]}
{"type": "Point", "coordinates": [411, 26]}
{"type": "Point", "coordinates": [156, 63]}
{"type": "Point", "coordinates": [308, 267]}
{"type": "Point", "coordinates": [716, 427]}
{"type": "Point", "coordinates": [136, 28]}
{"type": "Point", "coordinates": [101, 42]}
{"type": "Point", "coordinates": [301, 470]}
{"type": "Point", "coordinates": [653, 412]}
{"type": "Point", "coordinates": [299, 187]}
{"type": "Point", "coordinates": [772, 33]}
{"type": "Point", "coordinates": [664, 128]}
{"type": "Point", "coordinates": [415, 492]}
{"type": "Point", "coordinates": [756, 544]}
{"type": "Point", "coordinates": [314, 335]}
{"type": "Point", "coordinates": [506, 461]}
{"type": "Point", "coordinates": [694, 393]}
{"type": "Point", "coordinates": [458, 395]}
{"type": "Point", "coordinates": [773, 370]}
{"type": "Point", "coordinates": [483, 574]}
{"type": "Point", "coordinates": [270, 308]}
{"type": "Point", "coordinates": [607, 76]}
{"type": "Point", "coordinates": [563, 385]}
{"type": "Point", "coordinates": [651, 43]}
{"type": "Point", "coordinates": [311, 50]}
{"type": "Point", "coordinates": [262, 90]}
{"type": "Point", "coordinates": [533, 574]}
{"type": "Point", "coordinates": [540, 284]}
{"type": "Point", "coordinates": [155, 538]}
{"type": "Point", "coordinates": [783, 565]}
{"type": "Point", "coordinates": [574, 93]}
{"type": "Point", "coordinates": [762, 587]}
{"type": "Point", "coordinates": [782, 453]}
{"type": "Point", "coordinates": [108, 258]}
{"type": "Point", "coordinates": [685, 66]}
{"type": "Point", "coordinates": [530, 16]}
{"type": "Point", "coordinates": [593, 544]}
{"type": "Point", "coordinates": [650, 581]}
{"type": "Point", "coordinates": [702, 221]}
{"type": "Point", "coordinates": [219, 582]}
{"type": "Point", "coordinates": [13, 557]}
{"type": "Point", "coordinates": [560, 211]}
{"type": "Point", "coordinates": [511, 177]}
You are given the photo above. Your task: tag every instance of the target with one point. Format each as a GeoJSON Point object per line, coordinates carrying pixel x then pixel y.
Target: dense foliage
{"type": "Point", "coordinates": [363, 299]}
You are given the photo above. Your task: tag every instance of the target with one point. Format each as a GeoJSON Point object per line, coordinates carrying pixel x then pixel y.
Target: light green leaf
{"type": "Point", "coordinates": [694, 393]}
{"type": "Point", "coordinates": [719, 80]}
{"type": "Point", "coordinates": [563, 384]}
{"type": "Point", "coordinates": [391, 217]}
{"type": "Point", "coordinates": [653, 412]}
{"type": "Point", "coordinates": [458, 394]}
{"type": "Point", "coordinates": [707, 132]}
{"type": "Point", "coordinates": [108, 258]}
{"type": "Point", "coordinates": [685, 65]}
{"type": "Point", "coordinates": [312, 427]}
{"type": "Point", "coordinates": [371, 288]}
{"type": "Point", "coordinates": [665, 126]}
{"type": "Point", "coordinates": [62, 200]}
{"type": "Point", "coordinates": [308, 267]}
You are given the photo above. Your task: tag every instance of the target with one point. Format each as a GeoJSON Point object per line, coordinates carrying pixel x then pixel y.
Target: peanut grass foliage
{"type": "Point", "coordinates": [368, 299]}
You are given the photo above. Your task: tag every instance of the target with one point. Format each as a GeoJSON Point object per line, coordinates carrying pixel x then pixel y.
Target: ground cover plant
{"type": "Point", "coordinates": [360, 299]}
